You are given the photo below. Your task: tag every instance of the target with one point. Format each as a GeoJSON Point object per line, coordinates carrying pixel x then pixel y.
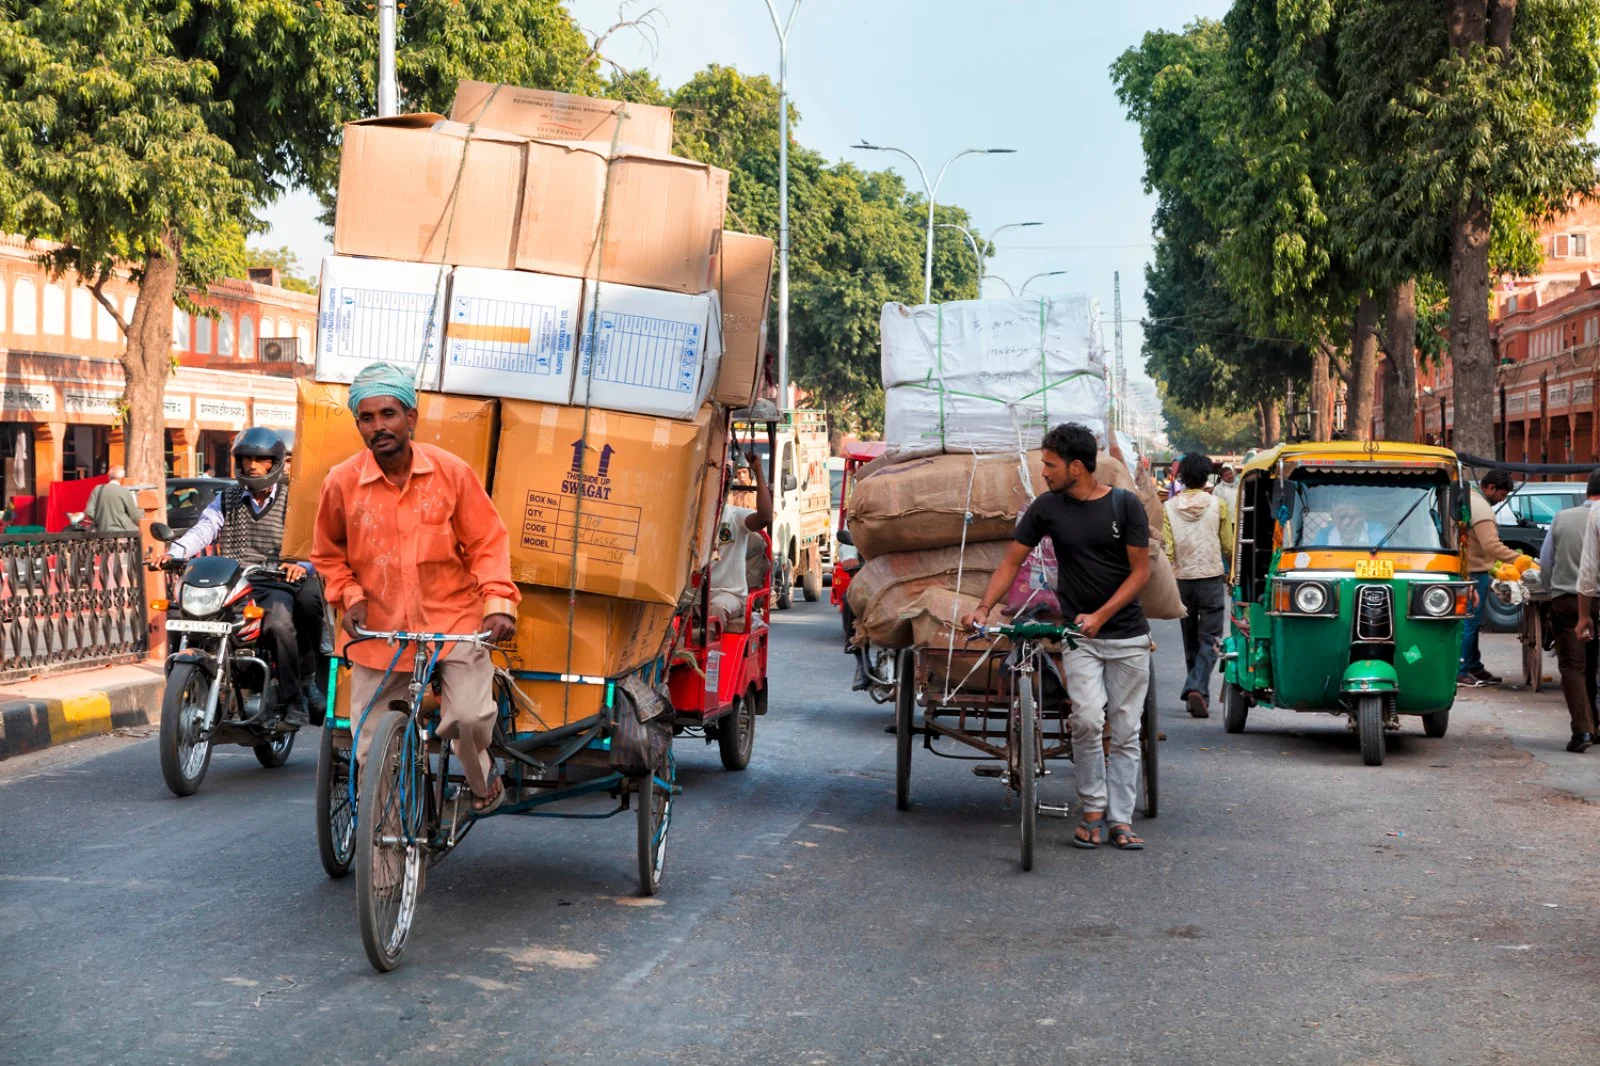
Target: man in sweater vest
{"type": "Point", "coordinates": [1199, 535]}
{"type": "Point", "coordinates": [1577, 653]}
{"type": "Point", "coordinates": [245, 522]}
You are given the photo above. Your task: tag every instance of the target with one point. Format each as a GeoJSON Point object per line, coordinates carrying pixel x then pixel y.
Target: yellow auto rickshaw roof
{"type": "Point", "coordinates": [1348, 451]}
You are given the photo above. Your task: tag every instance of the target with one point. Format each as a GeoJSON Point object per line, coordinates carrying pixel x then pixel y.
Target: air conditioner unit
{"type": "Point", "coordinates": [278, 349]}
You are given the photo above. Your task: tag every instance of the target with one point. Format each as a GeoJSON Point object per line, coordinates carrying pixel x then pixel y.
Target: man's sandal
{"type": "Point", "coordinates": [482, 805]}
{"type": "Point", "coordinates": [1125, 839]}
{"type": "Point", "coordinates": [1096, 834]}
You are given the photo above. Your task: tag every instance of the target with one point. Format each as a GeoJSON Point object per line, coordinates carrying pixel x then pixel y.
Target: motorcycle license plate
{"type": "Point", "coordinates": [191, 625]}
{"type": "Point", "coordinates": [1375, 568]}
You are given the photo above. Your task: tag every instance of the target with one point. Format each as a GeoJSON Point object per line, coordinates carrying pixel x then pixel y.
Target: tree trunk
{"type": "Point", "coordinates": [1472, 390]}
{"type": "Point", "coordinates": [146, 363]}
{"type": "Point", "coordinates": [1321, 395]}
{"type": "Point", "coordinates": [1363, 368]}
{"type": "Point", "coordinates": [1271, 422]}
{"type": "Point", "coordinates": [1400, 383]}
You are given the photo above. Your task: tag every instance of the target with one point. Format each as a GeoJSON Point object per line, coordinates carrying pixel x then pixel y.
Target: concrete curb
{"type": "Point", "coordinates": [35, 724]}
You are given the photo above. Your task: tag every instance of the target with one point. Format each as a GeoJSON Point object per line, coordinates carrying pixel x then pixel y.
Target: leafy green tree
{"type": "Point", "coordinates": [290, 273]}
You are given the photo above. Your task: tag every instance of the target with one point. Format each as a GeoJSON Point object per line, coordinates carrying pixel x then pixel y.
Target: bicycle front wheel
{"type": "Point", "coordinates": [1026, 763]}
{"type": "Point", "coordinates": [389, 848]}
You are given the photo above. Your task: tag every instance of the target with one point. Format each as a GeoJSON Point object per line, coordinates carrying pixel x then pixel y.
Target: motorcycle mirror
{"type": "Point", "coordinates": [790, 483]}
{"type": "Point", "coordinates": [162, 532]}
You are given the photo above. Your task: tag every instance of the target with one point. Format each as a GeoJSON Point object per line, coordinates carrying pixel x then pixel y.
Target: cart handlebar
{"type": "Point", "coordinates": [1029, 631]}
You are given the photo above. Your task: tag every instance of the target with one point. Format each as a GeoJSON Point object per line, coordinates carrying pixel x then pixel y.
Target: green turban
{"type": "Point", "coordinates": [381, 379]}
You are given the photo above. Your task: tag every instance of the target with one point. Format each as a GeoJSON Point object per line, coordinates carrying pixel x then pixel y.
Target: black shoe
{"type": "Point", "coordinates": [1580, 742]}
{"type": "Point", "coordinates": [295, 712]}
{"type": "Point", "coordinates": [1485, 677]}
{"type": "Point", "coordinates": [316, 704]}
{"type": "Point", "coordinates": [861, 682]}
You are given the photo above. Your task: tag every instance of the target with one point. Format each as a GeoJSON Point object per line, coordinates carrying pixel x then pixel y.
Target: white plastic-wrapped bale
{"type": "Point", "coordinates": [990, 375]}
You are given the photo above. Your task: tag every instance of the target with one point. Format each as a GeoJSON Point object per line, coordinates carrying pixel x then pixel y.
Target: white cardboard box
{"type": "Point", "coordinates": [512, 334]}
{"type": "Point", "coordinates": [379, 310]}
{"type": "Point", "coordinates": [647, 351]}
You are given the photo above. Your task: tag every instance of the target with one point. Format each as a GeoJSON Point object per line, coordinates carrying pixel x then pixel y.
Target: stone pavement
{"type": "Point", "coordinates": [84, 703]}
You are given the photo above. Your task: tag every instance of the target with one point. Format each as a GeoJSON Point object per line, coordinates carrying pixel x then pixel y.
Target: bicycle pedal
{"type": "Point", "coordinates": [1049, 811]}
{"type": "Point", "coordinates": [989, 770]}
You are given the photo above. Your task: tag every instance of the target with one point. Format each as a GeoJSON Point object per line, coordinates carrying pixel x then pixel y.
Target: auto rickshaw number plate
{"type": "Point", "coordinates": [1375, 568]}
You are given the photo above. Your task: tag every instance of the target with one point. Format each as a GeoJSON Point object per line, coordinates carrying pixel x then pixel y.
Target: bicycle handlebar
{"type": "Point", "coordinates": [402, 637]}
{"type": "Point", "coordinates": [1028, 631]}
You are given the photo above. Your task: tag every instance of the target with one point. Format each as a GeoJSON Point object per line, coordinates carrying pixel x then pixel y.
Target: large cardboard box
{"type": "Point", "coordinates": [623, 489]}
{"type": "Point", "coordinates": [419, 189]}
{"type": "Point", "coordinates": [512, 334]}
{"type": "Point", "coordinates": [646, 351]}
{"type": "Point", "coordinates": [608, 638]}
{"type": "Point", "coordinates": [746, 289]}
{"type": "Point", "coordinates": [325, 435]}
{"type": "Point", "coordinates": [376, 310]}
{"type": "Point", "coordinates": [540, 114]}
{"type": "Point", "coordinates": [641, 218]}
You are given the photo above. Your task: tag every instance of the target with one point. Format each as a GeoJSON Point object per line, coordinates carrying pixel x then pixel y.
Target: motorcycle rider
{"type": "Point", "coordinates": [245, 522]}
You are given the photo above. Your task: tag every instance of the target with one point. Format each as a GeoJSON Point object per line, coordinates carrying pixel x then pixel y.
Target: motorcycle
{"type": "Point", "coordinates": [221, 688]}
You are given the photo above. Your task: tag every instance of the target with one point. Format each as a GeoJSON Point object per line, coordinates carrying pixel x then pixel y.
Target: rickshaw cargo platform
{"type": "Point", "coordinates": [511, 334]}
{"type": "Point", "coordinates": [990, 375]}
{"type": "Point", "coordinates": [884, 588]}
{"type": "Point", "coordinates": [925, 503]}
{"type": "Point", "coordinates": [647, 352]}
{"type": "Point", "coordinates": [626, 487]}
{"type": "Point", "coordinates": [745, 284]}
{"type": "Point", "coordinates": [326, 435]}
{"type": "Point", "coordinates": [379, 310]}
{"type": "Point", "coordinates": [540, 114]}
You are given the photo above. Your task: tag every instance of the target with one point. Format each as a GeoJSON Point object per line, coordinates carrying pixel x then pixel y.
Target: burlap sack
{"type": "Point", "coordinates": [884, 589]}
{"type": "Point", "coordinates": [922, 504]}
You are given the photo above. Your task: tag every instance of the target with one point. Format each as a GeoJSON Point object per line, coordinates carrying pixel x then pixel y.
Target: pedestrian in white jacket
{"type": "Point", "coordinates": [1199, 534]}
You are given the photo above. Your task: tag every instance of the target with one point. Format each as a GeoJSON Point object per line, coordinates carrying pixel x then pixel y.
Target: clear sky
{"type": "Point", "coordinates": [934, 77]}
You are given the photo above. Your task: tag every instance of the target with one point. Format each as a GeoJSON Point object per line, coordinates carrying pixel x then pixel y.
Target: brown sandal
{"type": "Point", "coordinates": [482, 805]}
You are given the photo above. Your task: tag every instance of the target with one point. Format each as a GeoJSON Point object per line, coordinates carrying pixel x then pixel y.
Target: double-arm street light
{"type": "Point", "coordinates": [783, 26]}
{"type": "Point", "coordinates": [1003, 281]}
{"type": "Point", "coordinates": [1036, 277]}
{"type": "Point", "coordinates": [932, 189]}
{"type": "Point", "coordinates": [988, 246]}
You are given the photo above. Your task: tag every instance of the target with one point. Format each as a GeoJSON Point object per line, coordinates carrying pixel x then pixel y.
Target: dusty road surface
{"type": "Point", "coordinates": [1294, 906]}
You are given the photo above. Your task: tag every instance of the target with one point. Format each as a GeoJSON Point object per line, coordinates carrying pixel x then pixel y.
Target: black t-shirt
{"type": "Point", "coordinates": [1091, 559]}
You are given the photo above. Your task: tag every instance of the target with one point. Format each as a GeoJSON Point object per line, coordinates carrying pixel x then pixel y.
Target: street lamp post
{"type": "Point", "coordinates": [782, 27]}
{"type": "Point", "coordinates": [388, 95]}
{"type": "Point", "coordinates": [1003, 281]}
{"type": "Point", "coordinates": [932, 189]}
{"type": "Point", "coordinates": [1036, 277]}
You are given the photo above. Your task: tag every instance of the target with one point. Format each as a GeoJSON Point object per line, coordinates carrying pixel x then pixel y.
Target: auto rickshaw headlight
{"type": "Point", "coordinates": [1310, 598]}
{"type": "Point", "coordinates": [1438, 601]}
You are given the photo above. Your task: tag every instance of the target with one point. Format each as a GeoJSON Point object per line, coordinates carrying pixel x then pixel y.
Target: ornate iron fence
{"type": "Point", "coordinates": [70, 600]}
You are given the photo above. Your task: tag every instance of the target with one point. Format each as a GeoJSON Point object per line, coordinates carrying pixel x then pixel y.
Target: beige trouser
{"type": "Point", "coordinates": [727, 605]}
{"type": "Point", "coordinates": [466, 683]}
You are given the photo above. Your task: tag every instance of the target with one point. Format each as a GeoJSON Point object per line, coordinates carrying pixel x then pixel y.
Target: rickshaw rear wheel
{"type": "Point", "coordinates": [736, 733]}
{"type": "Point", "coordinates": [905, 697]}
{"type": "Point", "coordinates": [1234, 708]}
{"type": "Point", "coordinates": [1435, 724]}
{"type": "Point", "coordinates": [1369, 724]}
{"type": "Point", "coordinates": [654, 822]}
{"type": "Point", "coordinates": [1026, 764]}
{"type": "Point", "coordinates": [336, 824]}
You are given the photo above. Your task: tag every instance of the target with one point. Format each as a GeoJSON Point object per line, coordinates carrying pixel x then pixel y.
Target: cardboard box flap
{"type": "Point", "coordinates": [417, 120]}
{"type": "Point", "coordinates": [542, 113]}
{"type": "Point", "coordinates": [464, 131]}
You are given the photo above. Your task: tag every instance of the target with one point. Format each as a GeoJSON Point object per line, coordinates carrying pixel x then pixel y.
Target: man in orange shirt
{"type": "Point", "coordinates": [407, 539]}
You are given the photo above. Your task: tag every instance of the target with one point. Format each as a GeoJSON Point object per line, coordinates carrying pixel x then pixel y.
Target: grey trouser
{"type": "Point", "coordinates": [466, 697]}
{"type": "Point", "coordinates": [1107, 679]}
{"type": "Point", "coordinates": [1205, 599]}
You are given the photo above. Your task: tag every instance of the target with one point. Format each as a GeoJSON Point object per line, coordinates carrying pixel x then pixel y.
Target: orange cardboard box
{"type": "Point", "coordinates": [540, 114]}
{"type": "Point", "coordinates": [746, 290]}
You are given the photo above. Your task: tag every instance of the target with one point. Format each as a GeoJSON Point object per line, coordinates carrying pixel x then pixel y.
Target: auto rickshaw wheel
{"type": "Point", "coordinates": [1369, 724]}
{"type": "Point", "coordinates": [1234, 708]}
{"type": "Point", "coordinates": [1435, 724]}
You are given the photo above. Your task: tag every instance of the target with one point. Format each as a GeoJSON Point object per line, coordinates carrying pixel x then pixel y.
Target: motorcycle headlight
{"type": "Point", "coordinates": [1438, 601]}
{"type": "Point", "coordinates": [1310, 598]}
{"type": "Point", "coordinates": [200, 602]}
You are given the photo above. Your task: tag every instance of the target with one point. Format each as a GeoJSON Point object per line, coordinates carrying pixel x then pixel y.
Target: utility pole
{"type": "Point", "coordinates": [783, 196]}
{"type": "Point", "coordinates": [388, 96]}
{"type": "Point", "coordinates": [1119, 373]}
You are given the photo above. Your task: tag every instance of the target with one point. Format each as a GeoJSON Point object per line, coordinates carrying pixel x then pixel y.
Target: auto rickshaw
{"type": "Point", "coordinates": [1349, 586]}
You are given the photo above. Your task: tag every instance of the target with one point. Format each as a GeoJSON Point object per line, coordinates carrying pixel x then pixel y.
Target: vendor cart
{"type": "Point", "coordinates": [1004, 707]}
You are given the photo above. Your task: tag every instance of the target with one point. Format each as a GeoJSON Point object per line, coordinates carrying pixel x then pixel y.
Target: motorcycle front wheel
{"type": "Point", "coordinates": [184, 756]}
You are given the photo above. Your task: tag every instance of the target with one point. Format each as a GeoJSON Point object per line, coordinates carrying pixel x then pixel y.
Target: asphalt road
{"type": "Point", "coordinates": [1294, 906]}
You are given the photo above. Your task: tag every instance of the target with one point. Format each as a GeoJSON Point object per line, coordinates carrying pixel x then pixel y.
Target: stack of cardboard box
{"type": "Point", "coordinates": [579, 323]}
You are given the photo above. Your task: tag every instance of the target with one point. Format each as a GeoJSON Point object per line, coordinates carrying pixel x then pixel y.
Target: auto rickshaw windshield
{"type": "Point", "coordinates": [1397, 512]}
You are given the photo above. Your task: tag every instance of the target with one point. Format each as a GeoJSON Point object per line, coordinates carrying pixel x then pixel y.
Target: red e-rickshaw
{"type": "Point", "coordinates": [718, 676]}
{"type": "Point", "coordinates": [846, 561]}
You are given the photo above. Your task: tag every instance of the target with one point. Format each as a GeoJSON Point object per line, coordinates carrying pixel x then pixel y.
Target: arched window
{"type": "Point", "coordinates": [303, 335]}
{"type": "Point", "coordinates": [82, 313]}
{"type": "Point", "coordinates": [25, 307]}
{"type": "Point", "coordinates": [180, 329]}
{"type": "Point", "coordinates": [247, 338]}
{"type": "Point", "coordinates": [2, 303]}
{"type": "Point", "coordinates": [225, 335]}
{"type": "Point", "coordinates": [202, 334]}
{"type": "Point", "coordinates": [55, 310]}
{"type": "Point", "coordinates": [129, 302]}
{"type": "Point", "coordinates": [105, 326]}
{"type": "Point", "coordinates": [284, 329]}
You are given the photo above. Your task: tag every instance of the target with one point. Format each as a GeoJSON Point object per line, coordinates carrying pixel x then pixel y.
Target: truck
{"type": "Point", "coordinates": [802, 504]}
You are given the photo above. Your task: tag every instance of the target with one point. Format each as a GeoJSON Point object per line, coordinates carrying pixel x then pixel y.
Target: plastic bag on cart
{"type": "Point", "coordinates": [1034, 589]}
{"type": "Point", "coordinates": [641, 728]}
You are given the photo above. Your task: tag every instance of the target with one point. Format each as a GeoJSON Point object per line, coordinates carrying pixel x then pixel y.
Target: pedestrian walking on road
{"type": "Point", "coordinates": [1199, 533]}
{"type": "Point", "coordinates": [1484, 547]}
{"type": "Point", "coordinates": [112, 507]}
{"type": "Point", "coordinates": [1227, 487]}
{"type": "Point", "coordinates": [1102, 543]}
{"type": "Point", "coordinates": [1577, 654]}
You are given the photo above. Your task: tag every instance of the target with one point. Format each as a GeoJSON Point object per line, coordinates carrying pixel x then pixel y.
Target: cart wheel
{"type": "Point", "coordinates": [811, 585]}
{"type": "Point", "coordinates": [336, 823]}
{"type": "Point", "coordinates": [1435, 724]}
{"type": "Point", "coordinates": [1234, 709]}
{"type": "Point", "coordinates": [736, 734]}
{"type": "Point", "coordinates": [655, 819]}
{"type": "Point", "coordinates": [905, 697]}
{"type": "Point", "coordinates": [1150, 750]}
{"type": "Point", "coordinates": [1026, 765]}
{"type": "Point", "coordinates": [1532, 637]}
{"type": "Point", "coordinates": [848, 618]}
{"type": "Point", "coordinates": [1369, 723]}
{"type": "Point", "coordinates": [388, 869]}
